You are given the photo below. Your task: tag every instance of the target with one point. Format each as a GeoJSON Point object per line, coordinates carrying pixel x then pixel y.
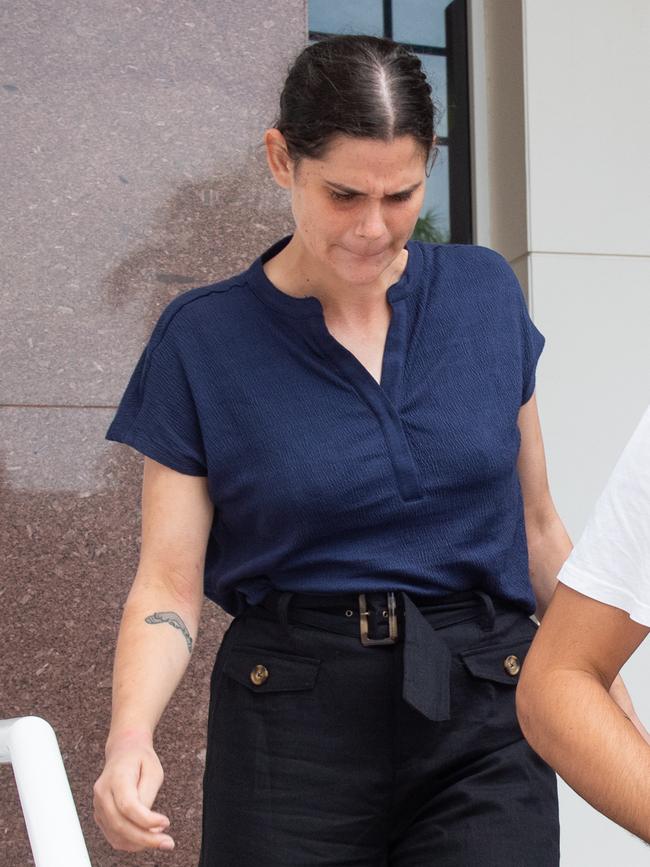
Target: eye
{"type": "Point", "coordinates": [401, 197]}
{"type": "Point", "coordinates": [342, 197]}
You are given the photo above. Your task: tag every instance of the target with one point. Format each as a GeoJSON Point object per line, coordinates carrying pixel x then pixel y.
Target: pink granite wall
{"type": "Point", "coordinates": [132, 171]}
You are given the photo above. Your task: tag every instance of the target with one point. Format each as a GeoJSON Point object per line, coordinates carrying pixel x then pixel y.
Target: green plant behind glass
{"type": "Point", "coordinates": [428, 229]}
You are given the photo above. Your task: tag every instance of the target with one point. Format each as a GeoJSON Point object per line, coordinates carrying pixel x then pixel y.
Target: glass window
{"type": "Point", "coordinates": [433, 224]}
{"type": "Point", "coordinates": [420, 22]}
{"type": "Point", "coordinates": [436, 71]}
{"type": "Point", "coordinates": [341, 16]}
{"type": "Point", "coordinates": [437, 31]}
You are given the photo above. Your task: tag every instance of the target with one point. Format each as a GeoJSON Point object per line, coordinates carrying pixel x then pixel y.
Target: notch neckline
{"type": "Point", "coordinates": [309, 305]}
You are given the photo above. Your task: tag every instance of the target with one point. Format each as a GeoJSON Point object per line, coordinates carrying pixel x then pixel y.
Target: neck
{"type": "Point", "coordinates": [296, 273]}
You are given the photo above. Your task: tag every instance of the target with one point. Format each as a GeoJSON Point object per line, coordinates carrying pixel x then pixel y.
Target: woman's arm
{"type": "Point", "coordinates": [549, 544]}
{"type": "Point", "coordinates": [157, 633]}
{"type": "Point", "coordinates": [548, 541]}
{"type": "Point", "coordinates": [567, 715]}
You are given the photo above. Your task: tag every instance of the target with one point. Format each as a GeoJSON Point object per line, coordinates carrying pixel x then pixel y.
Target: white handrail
{"type": "Point", "coordinates": [55, 835]}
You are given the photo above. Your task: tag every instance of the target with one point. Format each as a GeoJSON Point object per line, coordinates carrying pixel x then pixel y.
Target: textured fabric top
{"type": "Point", "coordinates": [324, 480]}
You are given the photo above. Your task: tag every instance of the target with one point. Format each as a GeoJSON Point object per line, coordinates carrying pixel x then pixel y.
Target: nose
{"type": "Point", "coordinates": [371, 224]}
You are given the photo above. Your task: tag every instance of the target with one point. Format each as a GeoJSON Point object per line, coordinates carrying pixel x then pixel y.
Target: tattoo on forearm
{"type": "Point", "coordinates": [174, 620]}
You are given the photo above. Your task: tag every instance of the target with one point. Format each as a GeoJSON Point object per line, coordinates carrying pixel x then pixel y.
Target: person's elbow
{"type": "Point", "coordinates": [525, 701]}
{"type": "Point", "coordinates": [533, 700]}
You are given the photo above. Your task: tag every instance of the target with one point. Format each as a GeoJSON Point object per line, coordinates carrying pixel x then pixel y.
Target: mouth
{"type": "Point", "coordinates": [366, 255]}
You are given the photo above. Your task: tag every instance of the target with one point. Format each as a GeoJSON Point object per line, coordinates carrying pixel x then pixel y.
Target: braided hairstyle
{"type": "Point", "coordinates": [360, 86]}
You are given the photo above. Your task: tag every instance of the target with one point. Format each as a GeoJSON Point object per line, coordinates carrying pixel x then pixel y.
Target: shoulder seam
{"type": "Point", "coordinates": [209, 290]}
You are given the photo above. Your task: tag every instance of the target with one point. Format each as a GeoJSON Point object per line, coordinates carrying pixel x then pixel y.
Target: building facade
{"type": "Point", "coordinates": [134, 171]}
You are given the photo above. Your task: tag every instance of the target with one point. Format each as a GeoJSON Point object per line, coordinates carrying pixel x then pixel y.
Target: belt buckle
{"type": "Point", "coordinates": [392, 622]}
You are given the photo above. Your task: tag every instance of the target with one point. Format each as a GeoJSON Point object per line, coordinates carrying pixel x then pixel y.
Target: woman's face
{"type": "Point", "coordinates": [356, 208]}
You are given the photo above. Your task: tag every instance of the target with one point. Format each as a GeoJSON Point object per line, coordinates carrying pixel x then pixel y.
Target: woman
{"type": "Point", "coordinates": [341, 446]}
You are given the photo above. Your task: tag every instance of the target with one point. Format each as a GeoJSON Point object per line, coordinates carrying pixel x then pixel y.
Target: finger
{"type": "Point", "coordinates": [123, 834]}
{"type": "Point", "coordinates": [151, 778]}
{"type": "Point", "coordinates": [128, 805]}
{"type": "Point", "coordinates": [138, 843]}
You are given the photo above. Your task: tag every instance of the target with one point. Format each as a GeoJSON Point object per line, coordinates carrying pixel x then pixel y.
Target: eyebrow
{"type": "Point", "coordinates": [343, 189]}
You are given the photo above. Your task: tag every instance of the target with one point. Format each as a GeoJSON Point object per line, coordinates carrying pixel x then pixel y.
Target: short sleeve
{"type": "Point", "coordinates": [157, 414]}
{"type": "Point", "coordinates": [510, 322]}
{"type": "Point", "coordinates": [528, 338]}
{"type": "Point", "coordinates": [532, 343]}
{"type": "Point", "coordinates": [611, 561]}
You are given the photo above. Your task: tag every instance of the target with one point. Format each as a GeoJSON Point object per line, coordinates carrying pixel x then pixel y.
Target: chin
{"type": "Point", "coordinates": [360, 269]}
{"type": "Point", "coordinates": [362, 276]}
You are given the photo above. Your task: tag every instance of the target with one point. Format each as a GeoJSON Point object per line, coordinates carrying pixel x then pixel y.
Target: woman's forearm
{"type": "Point", "coordinates": [154, 646]}
{"type": "Point", "coordinates": [549, 545]}
{"type": "Point", "coordinates": [588, 739]}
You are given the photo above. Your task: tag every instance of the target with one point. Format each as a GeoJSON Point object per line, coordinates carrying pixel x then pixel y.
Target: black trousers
{"type": "Point", "coordinates": [315, 757]}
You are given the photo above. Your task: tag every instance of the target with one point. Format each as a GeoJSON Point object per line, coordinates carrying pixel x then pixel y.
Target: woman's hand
{"type": "Point", "coordinates": [124, 793]}
{"type": "Point", "coordinates": [157, 634]}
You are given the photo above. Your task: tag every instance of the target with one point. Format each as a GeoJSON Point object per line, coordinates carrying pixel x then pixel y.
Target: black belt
{"type": "Point", "coordinates": [388, 618]}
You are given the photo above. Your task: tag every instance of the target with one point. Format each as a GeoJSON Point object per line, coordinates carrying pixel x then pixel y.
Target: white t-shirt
{"type": "Point", "coordinates": [611, 561]}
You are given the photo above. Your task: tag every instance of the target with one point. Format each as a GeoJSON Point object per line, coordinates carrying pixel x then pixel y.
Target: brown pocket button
{"type": "Point", "coordinates": [511, 665]}
{"type": "Point", "coordinates": [259, 675]}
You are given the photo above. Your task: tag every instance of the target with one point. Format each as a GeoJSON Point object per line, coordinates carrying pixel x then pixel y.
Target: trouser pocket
{"type": "Point", "coordinates": [265, 671]}
{"type": "Point", "coordinates": [485, 677]}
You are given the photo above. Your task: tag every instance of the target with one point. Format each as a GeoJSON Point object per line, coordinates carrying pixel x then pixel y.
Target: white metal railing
{"type": "Point", "coordinates": [29, 744]}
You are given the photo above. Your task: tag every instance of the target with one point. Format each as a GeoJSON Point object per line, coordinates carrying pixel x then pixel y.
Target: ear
{"type": "Point", "coordinates": [278, 158]}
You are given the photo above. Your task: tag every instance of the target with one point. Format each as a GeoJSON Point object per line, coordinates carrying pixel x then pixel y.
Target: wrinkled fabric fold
{"type": "Point", "coordinates": [427, 665]}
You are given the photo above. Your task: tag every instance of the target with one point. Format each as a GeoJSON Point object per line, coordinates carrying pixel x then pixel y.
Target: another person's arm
{"type": "Point", "coordinates": [549, 544]}
{"type": "Point", "coordinates": [599, 615]}
{"type": "Point", "coordinates": [568, 716]}
{"type": "Point", "coordinates": [156, 637]}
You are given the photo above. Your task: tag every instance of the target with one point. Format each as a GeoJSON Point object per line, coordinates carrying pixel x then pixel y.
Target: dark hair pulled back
{"type": "Point", "coordinates": [360, 86]}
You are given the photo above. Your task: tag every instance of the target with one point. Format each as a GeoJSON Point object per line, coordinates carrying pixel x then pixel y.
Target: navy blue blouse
{"type": "Point", "coordinates": [324, 480]}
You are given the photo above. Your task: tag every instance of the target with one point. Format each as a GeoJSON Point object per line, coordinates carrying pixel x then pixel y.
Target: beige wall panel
{"type": "Point", "coordinates": [588, 118]}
